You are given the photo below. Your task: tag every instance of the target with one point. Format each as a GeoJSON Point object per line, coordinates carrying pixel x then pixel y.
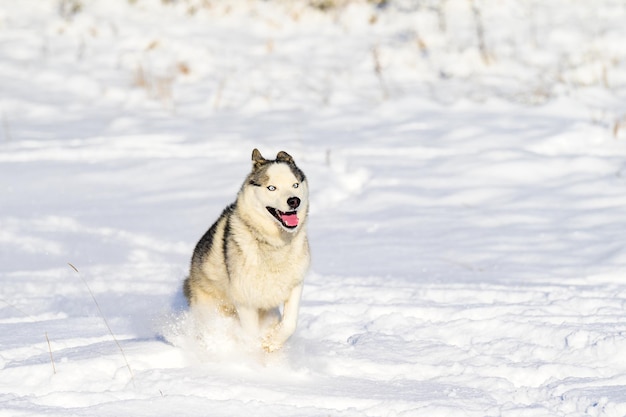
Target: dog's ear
{"type": "Point", "coordinates": [257, 159]}
{"type": "Point", "coordinates": [283, 156]}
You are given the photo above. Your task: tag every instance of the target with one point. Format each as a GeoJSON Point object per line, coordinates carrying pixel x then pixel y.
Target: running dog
{"type": "Point", "coordinates": [254, 258]}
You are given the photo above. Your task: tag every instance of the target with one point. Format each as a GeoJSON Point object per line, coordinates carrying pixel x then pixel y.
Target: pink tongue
{"type": "Point", "coordinates": [290, 219]}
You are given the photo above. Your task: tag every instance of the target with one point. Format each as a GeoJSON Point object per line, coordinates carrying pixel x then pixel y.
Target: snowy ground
{"type": "Point", "coordinates": [467, 222]}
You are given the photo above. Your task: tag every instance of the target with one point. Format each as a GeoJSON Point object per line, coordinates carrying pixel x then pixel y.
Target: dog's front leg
{"type": "Point", "coordinates": [287, 326]}
{"type": "Point", "coordinates": [249, 321]}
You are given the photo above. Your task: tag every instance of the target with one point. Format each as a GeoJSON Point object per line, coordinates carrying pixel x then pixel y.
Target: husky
{"type": "Point", "coordinates": [254, 258]}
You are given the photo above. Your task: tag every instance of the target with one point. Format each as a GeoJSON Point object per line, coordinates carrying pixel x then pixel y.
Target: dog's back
{"type": "Point", "coordinates": [208, 269]}
{"type": "Point", "coordinates": [208, 272]}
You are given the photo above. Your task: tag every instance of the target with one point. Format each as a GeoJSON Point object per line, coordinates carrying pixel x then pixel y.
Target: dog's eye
{"type": "Point", "coordinates": [271, 188]}
{"type": "Point", "coordinates": [296, 185]}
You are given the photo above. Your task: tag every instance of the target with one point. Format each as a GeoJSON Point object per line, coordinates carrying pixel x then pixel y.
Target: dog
{"type": "Point", "coordinates": [254, 258]}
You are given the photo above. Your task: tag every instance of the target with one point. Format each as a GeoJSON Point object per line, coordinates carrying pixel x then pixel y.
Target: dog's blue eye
{"type": "Point", "coordinates": [296, 185]}
{"type": "Point", "coordinates": [271, 188]}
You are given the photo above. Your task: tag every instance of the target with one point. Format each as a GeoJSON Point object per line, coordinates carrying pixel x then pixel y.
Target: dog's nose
{"type": "Point", "coordinates": [293, 202]}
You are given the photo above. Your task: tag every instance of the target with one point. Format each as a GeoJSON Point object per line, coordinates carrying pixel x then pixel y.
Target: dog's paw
{"type": "Point", "coordinates": [270, 346]}
{"type": "Point", "coordinates": [274, 340]}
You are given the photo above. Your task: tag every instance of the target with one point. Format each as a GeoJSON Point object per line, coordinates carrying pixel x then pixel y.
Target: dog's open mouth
{"type": "Point", "coordinates": [288, 219]}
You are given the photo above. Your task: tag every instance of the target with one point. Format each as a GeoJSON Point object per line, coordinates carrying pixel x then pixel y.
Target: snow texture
{"type": "Point", "coordinates": [467, 170]}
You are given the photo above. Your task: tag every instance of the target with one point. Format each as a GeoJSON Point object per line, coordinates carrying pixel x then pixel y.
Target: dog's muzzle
{"type": "Point", "coordinates": [289, 219]}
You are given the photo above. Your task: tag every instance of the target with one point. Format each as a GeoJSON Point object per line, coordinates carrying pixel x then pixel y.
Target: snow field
{"type": "Point", "coordinates": [468, 248]}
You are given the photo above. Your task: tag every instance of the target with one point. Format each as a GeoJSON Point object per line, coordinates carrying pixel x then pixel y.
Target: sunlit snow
{"type": "Point", "coordinates": [467, 169]}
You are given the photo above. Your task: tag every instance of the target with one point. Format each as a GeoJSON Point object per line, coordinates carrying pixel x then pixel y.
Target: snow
{"type": "Point", "coordinates": [467, 206]}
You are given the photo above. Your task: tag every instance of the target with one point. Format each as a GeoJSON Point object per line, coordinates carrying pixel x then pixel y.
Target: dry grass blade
{"type": "Point", "coordinates": [480, 32]}
{"type": "Point", "coordinates": [33, 320]}
{"type": "Point", "coordinates": [130, 371]}
{"type": "Point", "coordinates": [378, 70]}
{"type": "Point", "coordinates": [54, 368]}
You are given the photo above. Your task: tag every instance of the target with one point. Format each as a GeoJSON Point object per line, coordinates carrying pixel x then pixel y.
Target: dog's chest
{"type": "Point", "coordinates": [267, 274]}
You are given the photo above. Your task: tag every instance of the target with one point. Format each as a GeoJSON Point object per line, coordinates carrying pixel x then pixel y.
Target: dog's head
{"type": "Point", "coordinates": [281, 188]}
